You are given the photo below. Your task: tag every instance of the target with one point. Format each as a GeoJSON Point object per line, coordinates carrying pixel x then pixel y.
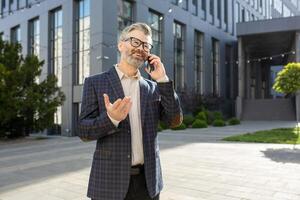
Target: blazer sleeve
{"type": "Point", "coordinates": [94, 122]}
{"type": "Point", "coordinates": [170, 109]}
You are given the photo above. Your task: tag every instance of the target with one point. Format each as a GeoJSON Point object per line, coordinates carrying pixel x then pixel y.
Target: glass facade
{"type": "Point", "coordinates": [82, 29]}
{"type": "Point", "coordinates": [22, 4]}
{"type": "Point", "coordinates": [55, 62]}
{"type": "Point", "coordinates": [198, 61]}
{"type": "Point", "coordinates": [155, 22]}
{"type": "Point", "coordinates": [15, 34]}
{"type": "Point", "coordinates": [179, 50]}
{"type": "Point", "coordinates": [185, 4]}
{"type": "Point", "coordinates": [34, 37]}
{"type": "Point", "coordinates": [215, 60]}
{"type": "Point", "coordinates": [194, 7]}
{"type": "Point", "coordinates": [125, 14]}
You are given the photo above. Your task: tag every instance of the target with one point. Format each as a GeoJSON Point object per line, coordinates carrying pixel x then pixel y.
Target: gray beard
{"type": "Point", "coordinates": [134, 62]}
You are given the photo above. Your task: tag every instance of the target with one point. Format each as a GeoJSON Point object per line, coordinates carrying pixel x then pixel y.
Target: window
{"type": "Point", "coordinates": [286, 11]}
{"type": "Point", "coordinates": [237, 12]}
{"type": "Point", "coordinates": [179, 43]}
{"type": "Point", "coordinates": [34, 37]}
{"type": "Point", "coordinates": [82, 35]}
{"type": "Point", "coordinates": [278, 6]}
{"type": "Point", "coordinates": [56, 44]}
{"type": "Point", "coordinates": [215, 65]}
{"type": "Point", "coordinates": [203, 5]}
{"type": "Point", "coordinates": [211, 7]}
{"type": "Point", "coordinates": [10, 6]}
{"type": "Point", "coordinates": [155, 22]}
{"type": "Point", "coordinates": [55, 62]}
{"type": "Point", "coordinates": [195, 7]}
{"type": "Point", "coordinates": [175, 2]}
{"type": "Point", "coordinates": [125, 16]}
{"type": "Point", "coordinates": [22, 4]}
{"type": "Point", "coordinates": [219, 10]}
{"type": "Point", "coordinates": [185, 4]}
{"type": "Point", "coordinates": [243, 15]}
{"type": "Point", "coordinates": [3, 5]}
{"type": "Point", "coordinates": [226, 11]}
{"type": "Point", "coordinates": [15, 34]}
{"type": "Point", "coordinates": [198, 51]}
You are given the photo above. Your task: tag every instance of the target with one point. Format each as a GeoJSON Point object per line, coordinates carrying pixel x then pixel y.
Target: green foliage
{"type": "Point", "coordinates": [199, 124]}
{"type": "Point", "coordinates": [26, 105]}
{"type": "Point", "coordinates": [233, 121]}
{"type": "Point", "coordinates": [217, 115]}
{"type": "Point", "coordinates": [163, 125]}
{"type": "Point", "coordinates": [182, 126]}
{"type": "Point", "coordinates": [201, 116]}
{"type": "Point", "coordinates": [188, 119]}
{"type": "Point", "coordinates": [198, 109]}
{"type": "Point", "coordinates": [159, 128]}
{"type": "Point", "coordinates": [280, 136]}
{"type": "Point", "coordinates": [218, 122]}
{"type": "Point", "coordinates": [288, 79]}
{"type": "Point", "coordinates": [209, 116]}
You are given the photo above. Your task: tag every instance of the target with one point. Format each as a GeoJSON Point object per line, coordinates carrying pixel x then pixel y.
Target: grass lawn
{"type": "Point", "coordinates": [279, 135]}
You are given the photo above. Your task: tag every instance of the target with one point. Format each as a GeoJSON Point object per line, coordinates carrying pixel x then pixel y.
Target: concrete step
{"type": "Point", "coordinates": [269, 109]}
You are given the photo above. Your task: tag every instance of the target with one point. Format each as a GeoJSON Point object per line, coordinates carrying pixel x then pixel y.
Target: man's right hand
{"type": "Point", "coordinates": [119, 109]}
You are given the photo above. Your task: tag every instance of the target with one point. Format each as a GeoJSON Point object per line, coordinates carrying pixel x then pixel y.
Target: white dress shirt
{"type": "Point", "coordinates": [131, 87]}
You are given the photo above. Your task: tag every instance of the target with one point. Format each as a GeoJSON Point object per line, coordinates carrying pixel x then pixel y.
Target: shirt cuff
{"type": "Point", "coordinates": [115, 122]}
{"type": "Point", "coordinates": [163, 79]}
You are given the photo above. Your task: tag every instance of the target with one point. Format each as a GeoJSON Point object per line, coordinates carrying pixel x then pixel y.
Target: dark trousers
{"type": "Point", "coordinates": [137, 188]}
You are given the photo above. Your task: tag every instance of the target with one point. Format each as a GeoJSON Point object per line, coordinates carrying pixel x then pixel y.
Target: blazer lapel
{"type": "Point", "coordinates": [144, 91]}
{"type": "Point", "coordinates": [115, 83]}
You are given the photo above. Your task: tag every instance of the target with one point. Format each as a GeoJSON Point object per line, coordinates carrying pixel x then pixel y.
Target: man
{"type": "Point", "coordinates": [121, 110]}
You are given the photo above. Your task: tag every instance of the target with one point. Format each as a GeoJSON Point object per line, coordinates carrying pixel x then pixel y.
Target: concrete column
{"type": "Point", "coordinates": [241, 79]}
{"type": "Point", "coordinates": [297, 46]}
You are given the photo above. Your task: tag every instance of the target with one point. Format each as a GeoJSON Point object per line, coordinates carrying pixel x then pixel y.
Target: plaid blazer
{"type": "Point", "coordinates": [110, 172]}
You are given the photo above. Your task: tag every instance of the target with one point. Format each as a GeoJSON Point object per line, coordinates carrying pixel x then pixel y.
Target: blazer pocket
{"type": "Point", "coordinates": [102, 154]}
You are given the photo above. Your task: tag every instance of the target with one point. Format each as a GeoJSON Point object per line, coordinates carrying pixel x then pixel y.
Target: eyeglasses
{"type": "Point", "coordinates": [136, 43]}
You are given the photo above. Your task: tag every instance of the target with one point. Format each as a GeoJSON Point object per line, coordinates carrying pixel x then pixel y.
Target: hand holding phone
{"type": "Point", "coordinates": [150, 67]}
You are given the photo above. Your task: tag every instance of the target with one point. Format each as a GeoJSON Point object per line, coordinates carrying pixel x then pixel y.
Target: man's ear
{"type": "Point", "coordinates": [120, 46]}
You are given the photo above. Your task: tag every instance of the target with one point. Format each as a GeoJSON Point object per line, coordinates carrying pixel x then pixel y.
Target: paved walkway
{"type": "Point", "coordinates": [196, 165]}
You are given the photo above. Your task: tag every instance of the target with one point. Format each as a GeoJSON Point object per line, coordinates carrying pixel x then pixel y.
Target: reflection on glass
{"type": "Point", "coordinates": [83, 40]}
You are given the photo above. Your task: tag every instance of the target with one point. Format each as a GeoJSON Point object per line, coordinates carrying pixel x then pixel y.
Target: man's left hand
{"type": "Point", "coordinates": [159, 69]}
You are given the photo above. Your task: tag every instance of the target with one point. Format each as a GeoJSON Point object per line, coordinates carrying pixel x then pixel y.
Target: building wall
{"type": "Point", "coordinates": [104, 32]}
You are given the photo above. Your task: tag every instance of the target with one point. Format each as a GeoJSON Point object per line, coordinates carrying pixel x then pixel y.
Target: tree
{"type": "Point", "coordinates": [288, 79]}
{"type": "Point", "coordinates": [25, 105]}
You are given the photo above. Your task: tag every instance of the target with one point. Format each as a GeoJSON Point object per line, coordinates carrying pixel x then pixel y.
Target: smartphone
{"type": "Point", "coordinates": [150, 66]}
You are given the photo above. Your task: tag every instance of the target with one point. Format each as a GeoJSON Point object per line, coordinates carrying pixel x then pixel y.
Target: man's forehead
{"type": "Point", "coordinates": [140, 35]}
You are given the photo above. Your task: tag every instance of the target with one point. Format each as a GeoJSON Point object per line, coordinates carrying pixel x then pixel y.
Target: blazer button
{"type": "Point", "coordinates": [128, 155]}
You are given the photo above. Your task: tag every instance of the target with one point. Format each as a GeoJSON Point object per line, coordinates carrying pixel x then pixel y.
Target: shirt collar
{"type": "Point", "coordinates": [121, 75]}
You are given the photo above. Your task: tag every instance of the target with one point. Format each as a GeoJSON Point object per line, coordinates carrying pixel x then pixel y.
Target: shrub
{"type": "Point", "coordinates": [288, 79]}
{"type": "Point", "coordinates": [159, 128]}
{"type": "Point", "coordinates": [217, 115]}
{"type": "Point", "coordinates": [209, 117]}
{"type": "Point", "coordinates": [188, 119]}
{"type": "Point", "coordinates": [163, 125]}
{"type": "Point", "coordinates": [201, 116]}
{"type": "Point", "coordinates": [182, 126]}
{"type": "Point", "coordinates": [233, 121]}
{"type": "Point", "coordinates": [218, 122]}
{"type": "Point", "coordinates": [199, 124]}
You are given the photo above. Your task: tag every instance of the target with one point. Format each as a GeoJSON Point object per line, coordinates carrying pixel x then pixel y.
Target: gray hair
{"type": "Point", "coordinates": [136, 26]}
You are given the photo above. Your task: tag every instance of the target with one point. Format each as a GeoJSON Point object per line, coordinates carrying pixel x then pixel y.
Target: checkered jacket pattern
{"type": "Point", "coordinates": [110, 172]}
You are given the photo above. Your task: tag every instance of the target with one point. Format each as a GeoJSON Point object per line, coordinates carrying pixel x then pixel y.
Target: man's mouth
{"type": "Point", "coordinates": [139, 54]}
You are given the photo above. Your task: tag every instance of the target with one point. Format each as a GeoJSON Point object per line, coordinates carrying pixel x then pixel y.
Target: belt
{"type": "Point", "coordinates": [136, 170]}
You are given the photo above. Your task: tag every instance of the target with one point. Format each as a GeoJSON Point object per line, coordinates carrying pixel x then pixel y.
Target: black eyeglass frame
{"type": "Point", "coordinates": [140, 43]}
